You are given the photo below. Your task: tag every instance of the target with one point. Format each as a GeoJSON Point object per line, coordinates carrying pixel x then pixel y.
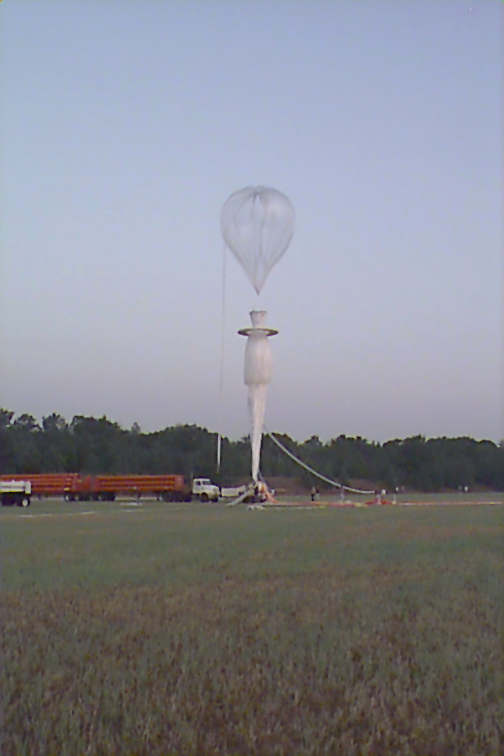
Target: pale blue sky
{"type": "Point", "coordinates": [126, 125]}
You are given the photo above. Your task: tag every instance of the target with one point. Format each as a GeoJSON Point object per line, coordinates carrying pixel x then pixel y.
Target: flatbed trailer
{"type": "Point", "coordinates": [107, 487]}
{"type": "Point", "coordinates": [76, 487]}
{"type": "Point", "coordinates": [46, 484]}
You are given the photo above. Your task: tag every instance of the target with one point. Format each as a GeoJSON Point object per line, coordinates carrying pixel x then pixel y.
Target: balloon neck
{"type": "Point", "coordinates": [258, 318]}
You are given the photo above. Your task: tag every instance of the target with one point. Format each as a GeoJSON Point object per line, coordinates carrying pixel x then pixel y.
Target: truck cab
{"type": "Point", "coordinates": [15, 492]}
{"type": "Point", "coordinates": [204, 490]}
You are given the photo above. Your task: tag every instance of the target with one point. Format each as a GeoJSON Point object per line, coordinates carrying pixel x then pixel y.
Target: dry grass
{"type": "Point", "coordinates": [296, 633]}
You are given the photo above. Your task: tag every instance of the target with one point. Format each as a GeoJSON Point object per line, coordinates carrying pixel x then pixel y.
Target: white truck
{"type": "Point", "coordinates": [204, 490]}
{"type": "Point", "coordinates": [15, 492]}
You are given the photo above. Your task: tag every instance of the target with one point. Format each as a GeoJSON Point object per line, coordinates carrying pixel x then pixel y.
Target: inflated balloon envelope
{"type": "Point", "coordinates": [257, 225]}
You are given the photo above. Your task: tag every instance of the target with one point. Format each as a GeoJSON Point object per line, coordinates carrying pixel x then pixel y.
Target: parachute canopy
{"type": "Point", "coordinates": [257, 224]}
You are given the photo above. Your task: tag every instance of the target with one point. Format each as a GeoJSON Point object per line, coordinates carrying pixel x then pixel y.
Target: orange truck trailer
{"type": "Point", "coordinates": [107, 487]}
{"type": "Point", "coordinates": [76, 487]}
{"type": "Point", "coordinates": [46, 484]}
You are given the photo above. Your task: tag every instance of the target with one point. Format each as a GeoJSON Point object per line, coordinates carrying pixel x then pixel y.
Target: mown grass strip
{"type": "Point", "coordinates": [208, 632]}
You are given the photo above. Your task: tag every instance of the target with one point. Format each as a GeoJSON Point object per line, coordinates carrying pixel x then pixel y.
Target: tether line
{"type": "Point", "coordinates": [311, 470]}
{"type": "Point", "coordinates": [222, 353]}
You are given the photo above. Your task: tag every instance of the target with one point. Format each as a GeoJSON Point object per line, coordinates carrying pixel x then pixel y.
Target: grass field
{"type": "Point", "coordinates": [198, 630]}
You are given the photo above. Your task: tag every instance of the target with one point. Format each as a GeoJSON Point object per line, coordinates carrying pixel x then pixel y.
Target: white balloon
{"type": "Point", "coordinates": [257, 224]}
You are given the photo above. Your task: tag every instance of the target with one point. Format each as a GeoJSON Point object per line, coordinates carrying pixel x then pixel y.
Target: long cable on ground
{"type": "Point", "coordinates": [222, 351]}
{"type": "Point", "coordinates": [311, 470]}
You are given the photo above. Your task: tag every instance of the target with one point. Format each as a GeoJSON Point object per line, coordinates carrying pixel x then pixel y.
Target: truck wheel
{"type": "Point", "coordinates": [25, 502]}
{"type": "Point", "coordinates": [204, 498]}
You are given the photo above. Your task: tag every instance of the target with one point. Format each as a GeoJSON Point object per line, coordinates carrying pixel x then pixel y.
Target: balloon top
{"type": "Point", "coordinates": [257, 224]}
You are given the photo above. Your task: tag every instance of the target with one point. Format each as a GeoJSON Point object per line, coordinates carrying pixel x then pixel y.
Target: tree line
{"type": "Point", "coordinates": [91, 445]}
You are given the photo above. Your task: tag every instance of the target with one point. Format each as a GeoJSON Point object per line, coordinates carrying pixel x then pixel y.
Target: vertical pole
{"type": "Point", "coordinates": [222, 350]}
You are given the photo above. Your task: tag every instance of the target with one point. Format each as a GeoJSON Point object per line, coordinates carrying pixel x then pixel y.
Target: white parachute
{"type": "Point", "coordinates": [257, 224]}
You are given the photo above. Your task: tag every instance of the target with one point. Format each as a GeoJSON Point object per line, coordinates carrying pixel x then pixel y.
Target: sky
{"type": "Point", "coordinates": [126, 124]}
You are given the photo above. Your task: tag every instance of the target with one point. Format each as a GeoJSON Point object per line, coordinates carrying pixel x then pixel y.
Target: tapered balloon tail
{"type": "Point", "coordinates": [257, 375]}
{"type": "Point", "coordinates": [257, 407]}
